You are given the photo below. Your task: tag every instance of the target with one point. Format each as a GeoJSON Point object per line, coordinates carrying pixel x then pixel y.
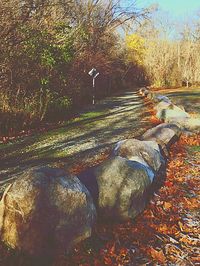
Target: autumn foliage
{"type": "Point", "coordinates": [167, 231]}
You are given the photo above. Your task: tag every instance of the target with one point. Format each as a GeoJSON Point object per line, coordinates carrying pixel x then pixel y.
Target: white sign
{"type": "Point", "coordinates": [96, 75]}
{"type": "Point", "coordinates": [93, 73]}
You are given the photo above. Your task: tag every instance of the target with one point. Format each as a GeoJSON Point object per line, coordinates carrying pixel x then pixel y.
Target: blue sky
{"type": "Point", "coordinates": [177, 8]}
{"type": "Point", "coordinates": [173, 13]}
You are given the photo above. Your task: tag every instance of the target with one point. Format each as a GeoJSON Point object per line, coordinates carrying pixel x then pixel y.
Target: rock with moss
{"type": "Point", "coordinates": [145, 152]}
{"type": "Point", "coordinates": [46, 211]}
{"type": "Point", "coordinates": [121, 187]}
{"type": "Point", "coordinates": [167, 112]}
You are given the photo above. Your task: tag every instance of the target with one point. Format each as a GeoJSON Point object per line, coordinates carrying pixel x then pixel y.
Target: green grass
{"type": "Point", "coordinates": [90, 115]}
{"type": "Point", "coordinates": [42, 145]}
{"type": "Point", "coordinates": [194, 149]}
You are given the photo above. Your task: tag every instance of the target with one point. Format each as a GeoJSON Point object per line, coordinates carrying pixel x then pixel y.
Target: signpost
{"type": "Point", "coordinates": [93, 73]}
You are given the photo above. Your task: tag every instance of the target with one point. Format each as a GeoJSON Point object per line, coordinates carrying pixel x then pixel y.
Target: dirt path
{"type": "Point", "coordinates": [81, 140]}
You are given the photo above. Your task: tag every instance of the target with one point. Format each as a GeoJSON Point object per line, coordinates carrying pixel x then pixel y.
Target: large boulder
{"type": "Point", "coordinates": [143, 91]}
{"type": "Point", "coordinates": [162, 106]}
{"type": "Point", "coordinates": [46, 211]}
{"type": "Point", "coordinates": [189, 124]}
{"type": "Point", "coordinates": [145, 152]}
{"type": "Point", "coordinates": [161, 98]}
{"type": "Point", "coordinates": [170, 112]}
{"type": "Point", "coordinates": [164, 134]}
{"type": "Point", "coordinates": [122, 186]}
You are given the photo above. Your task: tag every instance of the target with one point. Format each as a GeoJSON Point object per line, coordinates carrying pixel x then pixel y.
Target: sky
{"type": "Point", "coordinates": [177, 8]}
{"type": "Point", "coordinates": [172, 14]}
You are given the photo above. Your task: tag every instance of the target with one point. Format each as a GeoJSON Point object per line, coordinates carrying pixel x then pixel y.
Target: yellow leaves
{"type": "Point", "coordinates": [189, 241]}
{"type": "Point", "coordinates": [191, 203]}
{"type": "Point", "coordinates": [136, 48]}
{"type": "Point", "coordinates": [163, 228]}
{"type": "Point", "coordinates": [134, 42]}
{"type": "Point", "coordinates": [166, 229]}
{"type": "Point", "coordinates": [167, 205]}
{"type": "Point", "coordinates": [192, 140]}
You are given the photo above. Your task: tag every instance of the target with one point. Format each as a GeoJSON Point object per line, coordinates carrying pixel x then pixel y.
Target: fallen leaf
{"type": "Point", "coordinates": [157, 255]}
{"type": "Point", "coordinates": [167, 205]}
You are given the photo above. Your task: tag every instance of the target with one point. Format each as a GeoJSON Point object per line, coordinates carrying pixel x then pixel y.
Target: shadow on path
{"type": "Point", "coordinates": [78, 141]}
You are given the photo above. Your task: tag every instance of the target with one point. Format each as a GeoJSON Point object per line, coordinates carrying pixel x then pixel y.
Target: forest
{"type": "Point", "coordinates": [48, 47]}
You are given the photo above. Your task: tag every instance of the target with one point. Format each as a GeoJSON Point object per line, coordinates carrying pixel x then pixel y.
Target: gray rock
{"type": "Point", "coordinates": [123, 187]}
{"type": "Point", "coordinates": [145, 152]}
{"type": "Point", "coordinates": [188, 124]}
{"type": "Point", "coordinates": [171, 112]}
{"type": "Point", "coordinates": [163, 105]}
{"type": "Point", "coordinates": [44, 211]}
{"type": "Point", "coordinates": [164, 134]}
{"type": "Point", "coordinates": [161, 98]}
{"type": "Point", "coordinates": [143, 91]}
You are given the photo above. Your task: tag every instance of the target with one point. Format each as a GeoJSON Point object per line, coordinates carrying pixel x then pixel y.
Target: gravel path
{"type": "Point", "coordinates": [82, 140]}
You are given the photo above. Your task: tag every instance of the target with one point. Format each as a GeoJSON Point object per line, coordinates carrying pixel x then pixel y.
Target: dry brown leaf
{"type": "Point", "coordinates": [157, 255]}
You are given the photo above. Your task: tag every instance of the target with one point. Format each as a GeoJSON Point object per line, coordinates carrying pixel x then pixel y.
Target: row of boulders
{"type": "Point", "coordinates": [168, 112]}
{"type": "Point", "coordinates": [46, 210]}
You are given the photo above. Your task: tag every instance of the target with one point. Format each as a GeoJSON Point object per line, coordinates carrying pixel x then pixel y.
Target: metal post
{"type": "Point", "coordinates": [93, 85]}
{"type": "Point", "coordinates": [93, 73]}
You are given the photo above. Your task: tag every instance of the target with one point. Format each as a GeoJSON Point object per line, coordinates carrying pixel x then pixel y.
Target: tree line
{"type": "Point", "coordinates": [169, 54]}
{"type": "Point", "coordinates": [47, 48]}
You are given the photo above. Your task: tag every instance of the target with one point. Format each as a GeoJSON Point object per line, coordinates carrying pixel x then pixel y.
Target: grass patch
{"type": "Point", "coordinates": [194, 149]}
{"type": "Point", "coordinates": [86, 116]}
{"type": "Point", "coordinates": [45, 145]}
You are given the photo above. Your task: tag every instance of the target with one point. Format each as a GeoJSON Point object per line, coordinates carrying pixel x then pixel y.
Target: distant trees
{"type": "Point", "coordinates": [189, 56]}
{"type": "Point", "coordinates": [48, 47]}
{"type": "Point", "coordinates": [168, 60]}
{"type": "Point", "coordinates": [46, 50]}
